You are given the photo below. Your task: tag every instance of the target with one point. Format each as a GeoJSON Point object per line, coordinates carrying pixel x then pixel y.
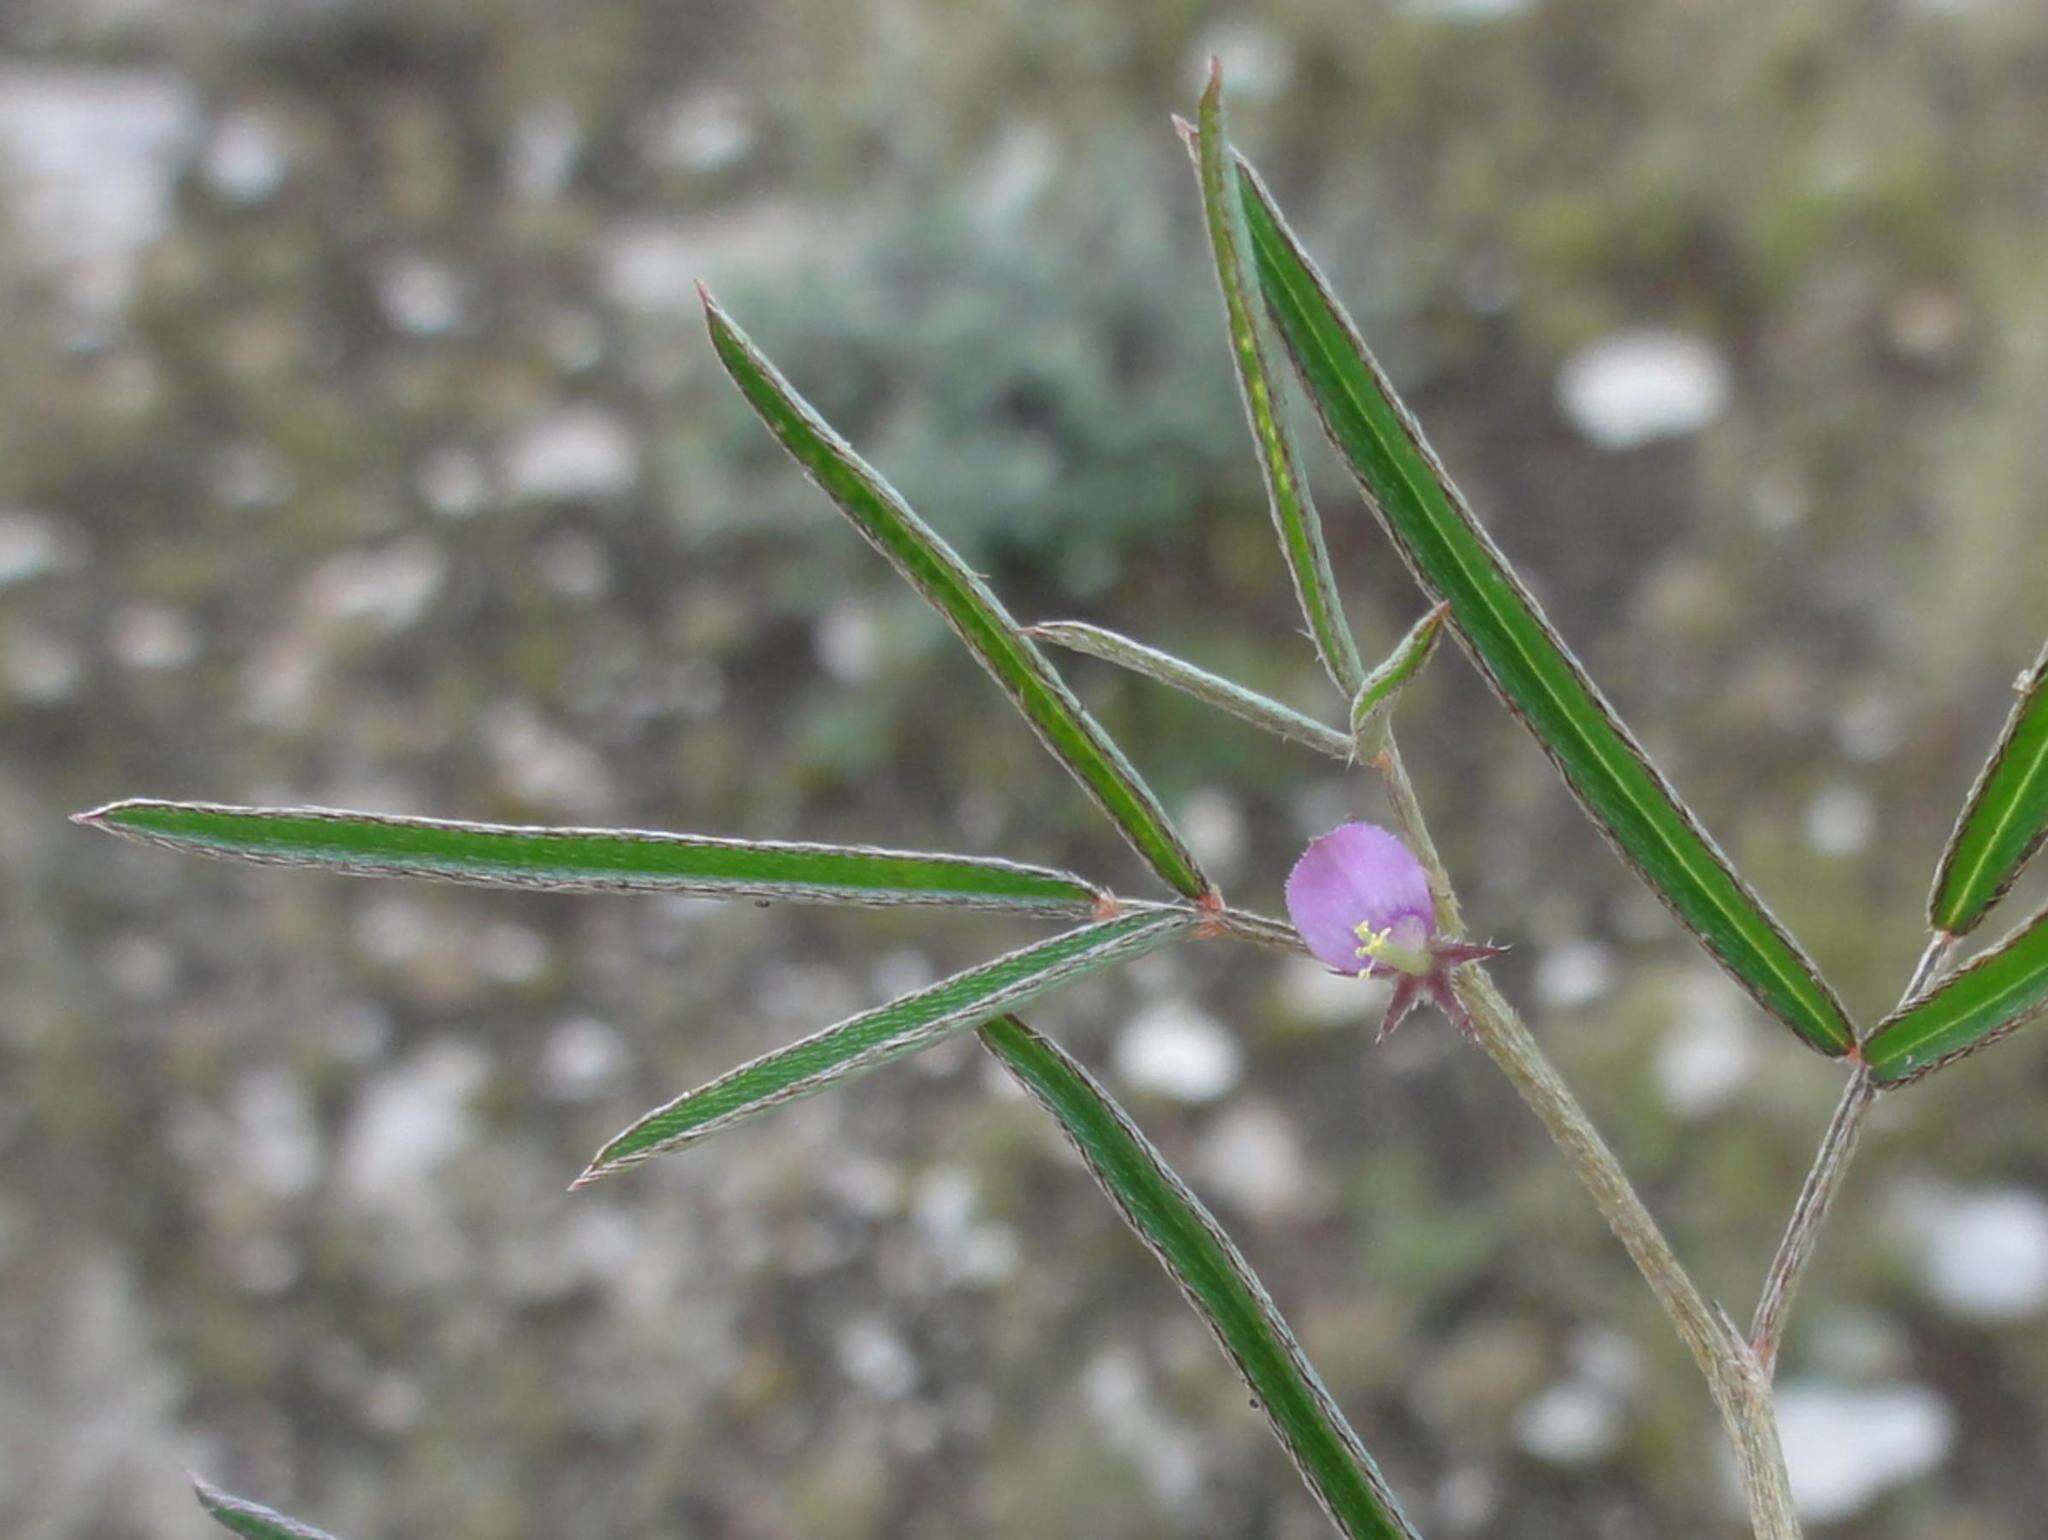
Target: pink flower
{"type": "Point", "coordinates": [1355, 880]}
{"type": "Point", "coordinates": [1362, 904]}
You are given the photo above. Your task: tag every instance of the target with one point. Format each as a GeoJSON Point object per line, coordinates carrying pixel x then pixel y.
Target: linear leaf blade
{"type": "Point", "coordinates": [592, 860]}
{"type": "Point", "coordinates": [1213, 1275]}
{"type": "Point", "coordinates": [966, 603]}
{"type": "Point", "coordinates": [1517, 650]}
{"type": "Point", "coordinates": [1214, 689]}
{"type": "Point", "coordinates": [240, 1516]}
{"type": "Point", "coordinates": [860, 1043]}
{"type": "Point", "coordinates": [1287, 494]}
{"type": "Point", "coordinates": [2004, 819]}
{"type": "Point", "coordinates": [1995, 994]}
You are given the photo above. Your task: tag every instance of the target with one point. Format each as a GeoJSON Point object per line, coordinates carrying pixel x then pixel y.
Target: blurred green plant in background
{"type": "Point", "coordinates": [288, 531]}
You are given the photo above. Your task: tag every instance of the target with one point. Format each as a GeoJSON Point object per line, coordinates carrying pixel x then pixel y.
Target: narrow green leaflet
{"type": "Point", "coordinates": [2005, 819]}
{"type": "Point", "coordinates": [251, 1519]}
{"type": "Point", "coordinates": [1214, 1277]}
{"type": "Point", "coordinates": [915, 1021]}
{"type": "Point", "coordinates": [1383, 686]}
{"type": "Point", "coordinates": [1515, 647]}
{"type": "Point", "coordinates": [1247, 705]}
{"type": "Point", "coordinates": [1999, 992]}
{"type": "Point", "coordinates": [593, 860]}
{"type": "Point", "coordinates": [965, 601]}
{"type": "Point", "coordinates": [1294, 514]}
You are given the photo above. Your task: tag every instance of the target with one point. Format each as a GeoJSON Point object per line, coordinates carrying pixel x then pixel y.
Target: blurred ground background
{"type": "Point", "coordinates": [359, 445]}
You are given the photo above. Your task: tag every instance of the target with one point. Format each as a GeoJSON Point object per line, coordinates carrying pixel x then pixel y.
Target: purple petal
{"type": "Point", "coordinates": [1359, 874]}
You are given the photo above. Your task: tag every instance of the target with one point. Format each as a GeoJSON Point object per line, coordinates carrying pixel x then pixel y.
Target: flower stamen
{"type": "Point", "coordinates": [1364, 908]}
{"type": "Point", "coordinates": [1380, 948]}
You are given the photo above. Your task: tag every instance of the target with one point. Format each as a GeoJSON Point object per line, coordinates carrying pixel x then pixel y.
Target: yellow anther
{"type": "Point", "coordinates": [1375, 940]}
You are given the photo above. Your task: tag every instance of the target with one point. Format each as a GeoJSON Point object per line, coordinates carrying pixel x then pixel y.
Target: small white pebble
{"type": "Point", "coordinates": [1900, 1432]}
{"type": "Point", "coordinates": [1315, 994]}
{"type": "Point", "coordinates": [575, 452]}
{"type": "Point", "coordinates": [245, 159]}
{"type": "Point", "coordinates": [1634, 387]}
{"type": "Point", "coordinates": [153, 638]}
{"type": "Point", "coordinates": [419, 296]}
{"type": "Point", "coordinates": [407, 1121]}
{"type": "Point", "coordinates": [542, 154]}
{"type": "Point", "coordinates": [1706, 1054]}
{"type": "Point", "coordinates": [1574, 974]}
{"type": "Point", "coordinates": [1214, 827]}
{"type": "Point", "coordinates": [584, 1057]}
{"type": "Point", "coordinates": [1175, 1049]}
{"type": "Point", "coordinates": [875, 1358]}
{"type": "Point", "coordinates": [33, 545]}
{"type": "Point", "coordinates": [703, 133]}
{"type": "Point", "coordinates": [1870, 729]}
{"type": "Point", "coordinates": [277, 1136]}
{"type": "Point", "coordinates": [1983, 1253]}
{"type": "Point", "coordinates": [1604, 1357]}
{"type": "Point", "coordinates": [1253, 1157]}
{"type": "Point", "coordinates": [1840, 821]}
{"type": "Point", "coordinates": [848, 641]}
{"type": "Point", "coordinates": [385, 590]}
{"type": "Point", "coordinates": [1572, 1422]}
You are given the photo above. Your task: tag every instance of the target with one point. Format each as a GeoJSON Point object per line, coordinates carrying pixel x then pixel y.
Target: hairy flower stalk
{"type": "Point", "coordinates": [1362, 902]}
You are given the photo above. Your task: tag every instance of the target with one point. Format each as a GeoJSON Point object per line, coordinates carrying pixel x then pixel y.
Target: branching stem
{"type": "Point", "coordinates": [1738, 1370]}
{"type": "Point", "coordinates": [1809, 1213]}
{"type": "Point", "coordinates": [1740, 1387]}
{"type": "Point", "coordinates": [1824, 1181]}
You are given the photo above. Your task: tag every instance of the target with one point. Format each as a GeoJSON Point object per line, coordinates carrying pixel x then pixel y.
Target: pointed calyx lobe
{"type": "Point", "coordinates": [1514, 645]}
{"type": "Point", "coordinates": [1362, 904]}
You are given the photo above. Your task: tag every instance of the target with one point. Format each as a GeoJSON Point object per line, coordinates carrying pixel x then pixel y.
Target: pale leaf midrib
{"type": "Point", "coordinates": [1743, 924]}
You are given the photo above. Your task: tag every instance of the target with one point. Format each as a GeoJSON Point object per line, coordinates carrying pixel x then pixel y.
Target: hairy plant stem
{"type": "Point", "coordinates": [1824, 1181]}
{"type": "Point", "coordinates": [1393, 771]}
{"type": "Point", "coordinates": [1738, 1370]}
{"type": "Point", "coordinates": [1740, 1387]}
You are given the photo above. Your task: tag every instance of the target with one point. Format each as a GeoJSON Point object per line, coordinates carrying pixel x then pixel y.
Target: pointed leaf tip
{"type": "Point", "coordinates": [1517, 650]}
{"type": "Point", "coordinates": [1994, 994]}
{"type": "Point", "coordinates": [1214, 1277]}
{"type": "Point", "coordinates": [252, 1520]}
{"type": "Point", "coordinates": [1376, 698]}
{"type": "Point", "coordinates": [873, 1038]}
{"type": "Point", "coordinates": [1295, 520]}
{"type": "Point", "coordinates": [1213, 689]}
{"type": "Point", "coordinates": [967, 604]}
{"type": "Point", "coordinates": [594, 860]}
{"type": "Point", "coordinates": [2005, 817]}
